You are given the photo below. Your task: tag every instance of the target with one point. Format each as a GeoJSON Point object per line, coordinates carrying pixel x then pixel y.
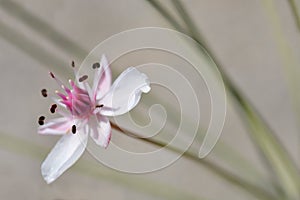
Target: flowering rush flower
{"type": "Point", "coordinates": [84, 112]}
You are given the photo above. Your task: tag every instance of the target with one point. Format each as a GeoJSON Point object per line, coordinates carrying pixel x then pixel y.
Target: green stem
{"type": "Point", "coordinates": [166, 15]}
{"type": "Point", "coordinates": [290, 64]}
{"type": "Point", "coordinates": [191, 26]}
{"type": "Point", "coordinates": [295, 11]}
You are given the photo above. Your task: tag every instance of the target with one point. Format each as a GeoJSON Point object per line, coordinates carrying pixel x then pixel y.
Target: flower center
{"type": "Point", "coordinates": [77, 101]}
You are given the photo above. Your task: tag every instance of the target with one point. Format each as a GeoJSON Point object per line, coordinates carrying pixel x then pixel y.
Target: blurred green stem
{"type": "Point", "coordinates": [191, 26]}
{"type": "Point", "coordinates": [43, 28]}
{"type": "Point", "coordinates": [295, 11]}
{"type": "Point", "coordinates": [290, 65]}
{"type": "Point", "coordinates": [31, 49]}
{"type": "Point", "coordinates": [267, 142]}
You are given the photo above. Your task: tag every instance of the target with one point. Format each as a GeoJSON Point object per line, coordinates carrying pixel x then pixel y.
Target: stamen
{"type": "Point", "coordinates": [73, 129]}
{"type": "Point", "coordinates": [71, 83]}
{"type": "Point", "coordinates": [52, 75]}
{"type": "Point", "coordinates": [53, 108]}
{"type": "Point", "coordinates": [41, 120]}
{"type": "Point", "coordinates": [44, 93]}
{"type": "Point", "coordinates": [83, 78]}
{"type": "Point", "coordinates": [73, 67]}
{"type": "Point", "coordinates": [96, 65]}
{"type": "Point", "coordinates": [66, 89]}
{"type": "Point", "coordinates": [61, 95]}
{"type": "Point", "coordinates": [60, 83]}
{"type": "Point", "coordinates": [99, 106]}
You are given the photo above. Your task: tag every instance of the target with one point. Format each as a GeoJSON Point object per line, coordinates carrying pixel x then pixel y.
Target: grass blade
{"type": "Point", "coordinates": [295, 11]}
{"type": "Point", "coordinates": [43, 28]}
{"type": "Point", "coordinates": [32, 49]}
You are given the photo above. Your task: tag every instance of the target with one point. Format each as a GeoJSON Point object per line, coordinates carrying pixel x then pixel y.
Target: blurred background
{"type": "Point", "coordinates": [257, 43]}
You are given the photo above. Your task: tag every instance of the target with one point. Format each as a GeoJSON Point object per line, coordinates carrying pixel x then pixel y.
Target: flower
{"type": "Point", "coordinates": [87, 112]}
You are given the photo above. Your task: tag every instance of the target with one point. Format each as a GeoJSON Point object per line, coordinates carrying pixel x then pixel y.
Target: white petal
{"type": "Point", "coordinates": [102, 79]}
{"type": "Point", "coordinates": [65, 153]}
{"type": "Point", "coordinates": [125, 93]}
{"type": "Point", "coordinates": [56, 126]}
{"type": "Point", "coordinates": [100, 130]}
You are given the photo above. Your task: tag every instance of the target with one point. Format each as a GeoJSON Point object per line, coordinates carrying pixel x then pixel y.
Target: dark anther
{"type": "Point", "coordinates": [52, 75]}
{"type": "Point", "coordinates": [73, 63]}
{"type": "Point", "coordinates": [83, 78]}
{"type": "Point", "coordinates": [99, 106]}
{"type": "Point", "coordinates": [44, 92]}
{"type": "Point", "coordinates": [96, 65]}
{"type": "Point", "coordinates": [53, 107]}
{"type": "Point", "coordinates": [73, 129]}
{"type": "Point", "coordinates": [41, 120]}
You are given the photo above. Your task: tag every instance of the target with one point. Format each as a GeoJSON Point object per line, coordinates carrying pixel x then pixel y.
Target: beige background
{"type": "Point", "coordinates": [239, 33]}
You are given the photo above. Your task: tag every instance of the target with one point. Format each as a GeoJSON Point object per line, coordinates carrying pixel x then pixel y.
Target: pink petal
{"type": "Point", "coordinates": [125, 93]}
{"type": "Point", "coordinates": [64, 154]}
{"type": "Point", "coordinates": [100, 130]}
{"type": "Point", "coordinates": [56, 126]}
{"type": "Point", "coordinates": [102, 79]}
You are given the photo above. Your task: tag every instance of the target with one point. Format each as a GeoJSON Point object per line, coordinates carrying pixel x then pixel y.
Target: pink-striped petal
{"type": "Point", "coordinates": [100, 130]}
{"type": "Point", "coordinates": [102, 79]}
{"type": "Point", "coordinates": [57, 126]}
